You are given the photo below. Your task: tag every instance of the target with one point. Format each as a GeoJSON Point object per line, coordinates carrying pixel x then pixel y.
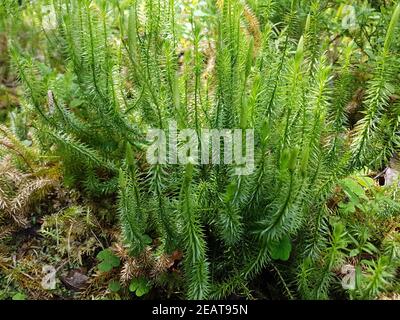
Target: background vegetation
{"type": "Point", "coordinates": [81, 82]}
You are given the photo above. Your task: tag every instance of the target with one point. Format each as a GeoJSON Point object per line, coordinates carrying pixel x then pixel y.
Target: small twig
{"type": "Point", "coordinates": [283, 282]}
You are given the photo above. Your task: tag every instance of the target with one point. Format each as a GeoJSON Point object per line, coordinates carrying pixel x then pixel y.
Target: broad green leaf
{"type": "Point", "coordinates": [107, 260]}
{"type": "Point", "coordinates": [139, 286]}
{"type": "Point", "coordinates": [366, 182]}
{"type": "Point", "coordinates": [76, 103]}
{"type": "Point", "coordinates": [114, 286]}
{"type": "Point", "coordinates": [19, 296]}
{"type": "Point", "coordinates": [147, 239]}
{"type": "Point", "coordinates": [104, 266]}
{"type": "Point", "coordinates": [353, 189]}
{"type": "Point", "coordinates": [280, 250]}
{"type": "Point", "coordinates": [354, 252]}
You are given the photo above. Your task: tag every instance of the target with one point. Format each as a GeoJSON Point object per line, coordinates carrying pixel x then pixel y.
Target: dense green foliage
{"type": "Point", "coordinates": [322, 97]}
